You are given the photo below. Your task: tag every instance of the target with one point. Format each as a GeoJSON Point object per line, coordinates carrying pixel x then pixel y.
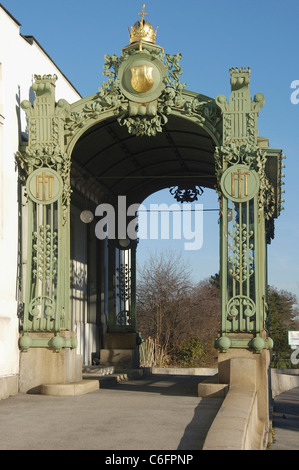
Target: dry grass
{"type": "Point", "coordinates": [152, 354]}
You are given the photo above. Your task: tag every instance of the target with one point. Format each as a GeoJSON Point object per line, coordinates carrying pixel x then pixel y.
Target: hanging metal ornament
{"type": "Point", "coordinates": [189, 194]}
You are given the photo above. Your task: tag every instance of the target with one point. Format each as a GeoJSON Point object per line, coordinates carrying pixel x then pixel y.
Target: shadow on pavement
{"type": "Point", "coordinates": [286, 411]}
{"type": "Point", "coordinates": [172, 385]}
{"type": "Point", "coordinates": [196, 431]}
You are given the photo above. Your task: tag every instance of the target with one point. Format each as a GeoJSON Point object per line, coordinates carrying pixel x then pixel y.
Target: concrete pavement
{"type": "Point", "coordinates": [157, 412]}
{"type": "Point", "coordinates": [286, 421]}
{"type": "Point", "coordinates": [160, 412]}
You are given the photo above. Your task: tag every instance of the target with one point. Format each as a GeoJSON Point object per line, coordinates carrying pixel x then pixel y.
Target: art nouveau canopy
{"type": "Point", "coordinates": [141, 132]}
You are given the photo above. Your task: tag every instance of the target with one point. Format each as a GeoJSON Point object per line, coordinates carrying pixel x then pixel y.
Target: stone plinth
{"type": "Point", "coordinates": [40, 366]}
{"type": "Point", "coordinates": [71, 389]}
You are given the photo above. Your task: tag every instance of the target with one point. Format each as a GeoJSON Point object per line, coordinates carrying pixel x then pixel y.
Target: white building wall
{"type": "Point", "coordinates": [19, 62]}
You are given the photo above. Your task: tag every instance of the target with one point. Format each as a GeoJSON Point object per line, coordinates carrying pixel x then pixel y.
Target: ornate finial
{"type": "Point", "coordinates": [240, 77]}
{"type": "Point", "coordinates": [142, 30]}
{"type": "Point", "coordinates": [143, 14]}
{"type": "Point", "coordinates": [44, 84]}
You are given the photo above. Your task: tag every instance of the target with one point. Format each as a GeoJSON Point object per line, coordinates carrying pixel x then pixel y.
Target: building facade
{"type": "Point", "coordinates": [16, 80]}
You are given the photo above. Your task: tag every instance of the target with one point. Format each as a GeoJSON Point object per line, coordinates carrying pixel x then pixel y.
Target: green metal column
{"type": "Point", "coordinates": [242, 186]}
{"type": "Point", "coordinates": [45, 171]}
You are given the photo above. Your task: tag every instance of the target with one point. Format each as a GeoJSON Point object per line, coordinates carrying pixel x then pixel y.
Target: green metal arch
{"type": "Point", "coordinates": [78, 107]}
{"type": "Point", "coordinates": [231, 128]}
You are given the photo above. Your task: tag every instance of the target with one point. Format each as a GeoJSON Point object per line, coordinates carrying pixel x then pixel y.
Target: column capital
{"type": "Point", "coordinates": [240, 114]}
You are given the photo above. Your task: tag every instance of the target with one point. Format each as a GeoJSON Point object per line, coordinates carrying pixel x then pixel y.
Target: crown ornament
{"type": "Point", "coordinates": [142, 30]}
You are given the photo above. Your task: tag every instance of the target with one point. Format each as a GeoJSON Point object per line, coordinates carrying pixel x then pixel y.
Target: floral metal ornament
{"type": "Point", "coordinates": [183, 194]}
{"type": "Point", "coordinates": [142, 105]}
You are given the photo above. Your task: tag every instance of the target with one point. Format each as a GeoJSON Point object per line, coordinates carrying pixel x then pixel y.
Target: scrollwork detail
{"type": "Point", "coordinates": [266, 198]}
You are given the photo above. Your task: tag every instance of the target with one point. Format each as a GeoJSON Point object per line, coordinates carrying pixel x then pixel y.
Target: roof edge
{"type": "Point", "coordinates": [31, 40]}
{"type": "Point", "coordinates": [10, 15]}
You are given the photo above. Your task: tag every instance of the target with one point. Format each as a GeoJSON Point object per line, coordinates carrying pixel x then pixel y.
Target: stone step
{"type": "Point", "coordinates": [113, 379]}
{"type": "Point", "coordinates": [98, 370]}
{"type": "Point", "coordinates": [70, 389]}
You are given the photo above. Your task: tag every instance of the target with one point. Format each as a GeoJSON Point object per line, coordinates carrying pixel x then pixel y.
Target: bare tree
{"type": "Point", "coordinates": [171, 309]}
{"type": "Point", "coordinates": [162, 291]}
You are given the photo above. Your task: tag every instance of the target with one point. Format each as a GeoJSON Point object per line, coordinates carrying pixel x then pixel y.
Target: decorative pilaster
{"type": "Point", "coordinates": [245, 203]}
{"type": "Point", "coordinates": [45, 172]}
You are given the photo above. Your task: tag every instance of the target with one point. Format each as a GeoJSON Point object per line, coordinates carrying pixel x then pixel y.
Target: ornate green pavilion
{"type": "Point", "coordinates": [142, 132]}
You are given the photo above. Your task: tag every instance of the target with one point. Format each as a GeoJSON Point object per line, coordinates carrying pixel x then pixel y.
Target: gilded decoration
{"type": "Point", "coordinates": [239, 183]}
{"type": "Point", "coordinates": [44, 186]}
{"type": "Point", "coordinates": [142, 79]}
{"type": "Point", "coordinates": [142, 30]}
{"type": "Point", "coordinates": [45, 148]}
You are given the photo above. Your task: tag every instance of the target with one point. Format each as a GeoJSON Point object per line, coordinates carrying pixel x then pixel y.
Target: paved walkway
{"type": "Point", "coordinates": [286, 421]}
{"type": "Point", "coordinates": [159, 412]}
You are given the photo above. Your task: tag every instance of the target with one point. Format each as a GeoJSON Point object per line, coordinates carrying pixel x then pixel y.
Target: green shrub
{"type": "Point", "coordinates": [190, 353]}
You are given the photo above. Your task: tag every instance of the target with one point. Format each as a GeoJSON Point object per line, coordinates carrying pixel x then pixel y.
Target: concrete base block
{"type": "Point", "coordinates": [238, 369]}
{"type": "Point", "coordinates": [43, 365]}
{"type": "Point", "coordinates": [212, 390]}
{"type": "Point", "coordinates": [242, 422]}
{"type": "Point", "coordinates": [9, 386]}
{"type": "Point", "coordinates": [71, 389]}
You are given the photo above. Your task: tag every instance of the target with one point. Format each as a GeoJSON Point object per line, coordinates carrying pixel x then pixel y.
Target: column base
{"type": "Point", "coordinates": [40, 339]}
{"type": "Point", "coordinates": [256, 343]}
{"type": "Point", "coordinates": [243, 421]}
{"type": "Point", "coordinates": [40, 366]}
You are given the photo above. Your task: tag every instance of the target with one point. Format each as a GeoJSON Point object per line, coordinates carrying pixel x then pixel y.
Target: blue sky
{"type": "Point", "coordinates": [212, 37]}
